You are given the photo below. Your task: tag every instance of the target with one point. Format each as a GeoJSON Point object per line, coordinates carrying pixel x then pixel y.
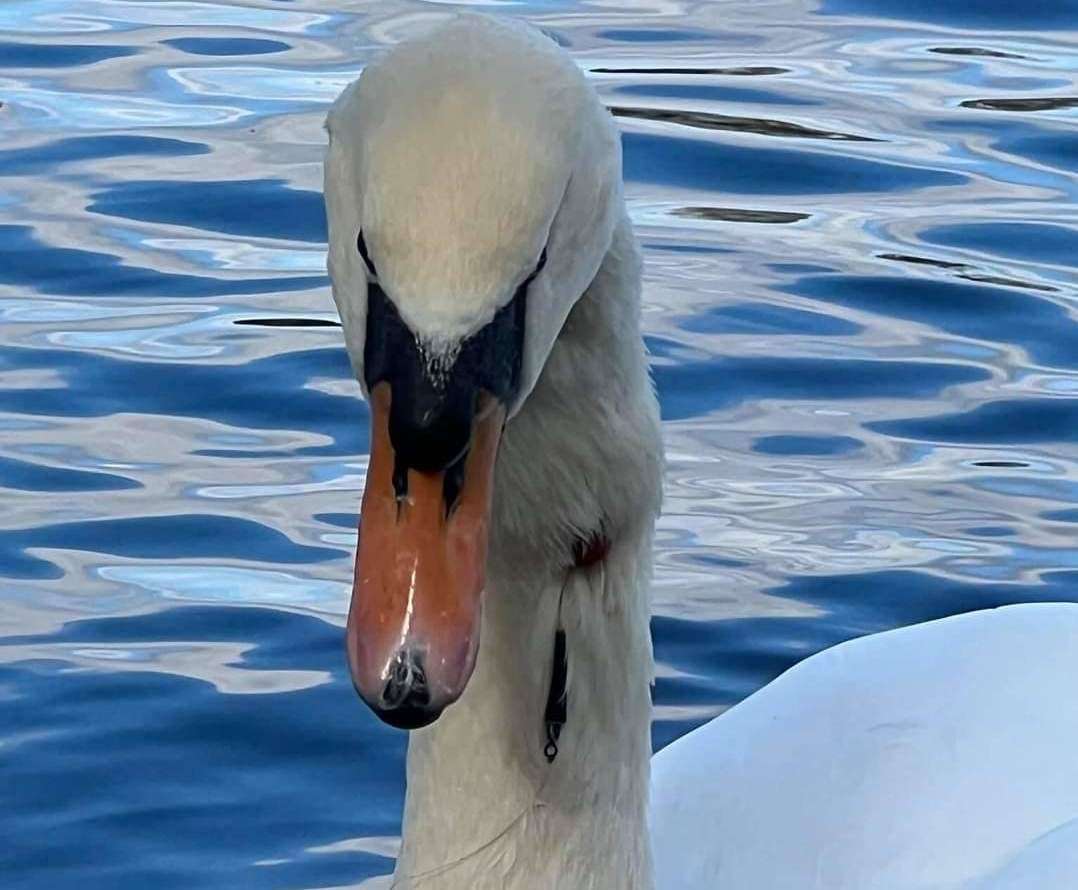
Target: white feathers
{"type": "Point", "coordinates": [462, 156]}
{"type": "Point", "coordinates": [933, 757]}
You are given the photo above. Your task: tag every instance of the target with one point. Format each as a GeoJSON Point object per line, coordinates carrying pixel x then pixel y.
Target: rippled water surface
{"type": "Point", "coordinates": [860, 230]}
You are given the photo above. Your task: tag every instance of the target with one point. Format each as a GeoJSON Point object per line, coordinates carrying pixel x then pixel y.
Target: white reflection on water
{"type": "Point", "coordinates": [867, 384]}
{"type": "Point", "coordinates": [869, 95]}
{"type": "Point", "coordinates": [815, 195]}
{"type": "Point", "coordinates": [222, 584]}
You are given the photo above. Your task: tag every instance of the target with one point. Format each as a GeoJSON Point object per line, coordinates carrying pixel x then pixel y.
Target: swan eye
{"type": "Point", "coordinates": [361, 245]}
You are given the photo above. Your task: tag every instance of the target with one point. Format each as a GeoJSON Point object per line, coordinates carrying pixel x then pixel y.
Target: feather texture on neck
{"type": "Point", "coordinates": [484, 807]}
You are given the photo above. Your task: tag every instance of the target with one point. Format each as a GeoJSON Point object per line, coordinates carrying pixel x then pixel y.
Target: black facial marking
{"type": "Point", "coordinates": [400, 478]}
{"type": "Point", "coordinates": [431, 409]}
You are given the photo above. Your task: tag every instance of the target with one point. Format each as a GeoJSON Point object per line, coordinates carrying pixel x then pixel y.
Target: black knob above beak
{"type": "Point", "coordinates": [434, 401]}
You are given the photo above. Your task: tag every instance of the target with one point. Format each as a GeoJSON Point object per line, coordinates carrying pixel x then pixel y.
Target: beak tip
{"type": "Point", "coordinates": [407, 717]}
{"type": "Point", "coordinates": [399, 695]}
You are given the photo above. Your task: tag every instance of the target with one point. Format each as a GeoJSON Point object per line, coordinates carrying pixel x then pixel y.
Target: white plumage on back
{"type": "Point", "coordinates": [934, 757]}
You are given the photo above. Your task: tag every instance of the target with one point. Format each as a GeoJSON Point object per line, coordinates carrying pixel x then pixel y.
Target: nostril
{"type": "Point", "coordinates": [405, 700]}
{"type": "Point", "coordinates": [406, 682]}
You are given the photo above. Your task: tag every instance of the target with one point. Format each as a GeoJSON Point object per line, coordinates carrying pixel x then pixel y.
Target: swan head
{"type": "Point", "coordinates": [472, 184]}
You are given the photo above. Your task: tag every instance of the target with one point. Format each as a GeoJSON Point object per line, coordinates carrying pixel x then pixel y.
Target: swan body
{"type": "Point", "coordinates": [473, 178]}
{"type": "Point", "coordinates": [936, 756]}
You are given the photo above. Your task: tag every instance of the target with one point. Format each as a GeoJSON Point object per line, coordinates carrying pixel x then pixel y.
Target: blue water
{"type": "Point", "coordinates": [861, 301]}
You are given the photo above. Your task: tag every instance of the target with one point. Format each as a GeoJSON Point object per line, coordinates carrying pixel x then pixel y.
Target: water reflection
{"type": "Point", "coordinates": [860, 286]}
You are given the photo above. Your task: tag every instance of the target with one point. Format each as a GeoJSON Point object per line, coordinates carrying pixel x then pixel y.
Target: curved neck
{"type": "Point", "coordinates": [484, 808]}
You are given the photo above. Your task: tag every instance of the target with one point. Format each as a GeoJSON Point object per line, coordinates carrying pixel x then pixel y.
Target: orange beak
{"type": "Point", "coordinates": [413, 624]}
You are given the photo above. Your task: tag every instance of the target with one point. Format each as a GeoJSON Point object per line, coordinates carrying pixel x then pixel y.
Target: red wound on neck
{"type": "Point", "coordinates": [590, 549]}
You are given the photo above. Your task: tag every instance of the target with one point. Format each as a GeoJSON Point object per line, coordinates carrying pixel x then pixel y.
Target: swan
{"type": "Point", "coordinates": [488, 283]}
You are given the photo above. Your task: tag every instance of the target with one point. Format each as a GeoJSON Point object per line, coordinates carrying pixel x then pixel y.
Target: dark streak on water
{"type": "Point", "coordinates": [738, 214]}
{"type": "Point", "coordinates": [1032, 103]}
{"type": "Point", "coordinates": [705, 121]}
{"type": "Point", "coordinates": [974, 51]}
{"type": "Point", "coordinates": [860, 307]}
{"type": "Point", "coordinates": [744, 70]}
{"type": "Point", "coordinates": [286, 322]}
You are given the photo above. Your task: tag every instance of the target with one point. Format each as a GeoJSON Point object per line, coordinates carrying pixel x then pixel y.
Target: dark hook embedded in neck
{"type": "Point", "coordinates": [556, 713]}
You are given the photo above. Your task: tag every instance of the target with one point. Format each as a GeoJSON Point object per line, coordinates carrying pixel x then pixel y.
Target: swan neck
{"type": "Point", "coordinates": [485, 809]}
